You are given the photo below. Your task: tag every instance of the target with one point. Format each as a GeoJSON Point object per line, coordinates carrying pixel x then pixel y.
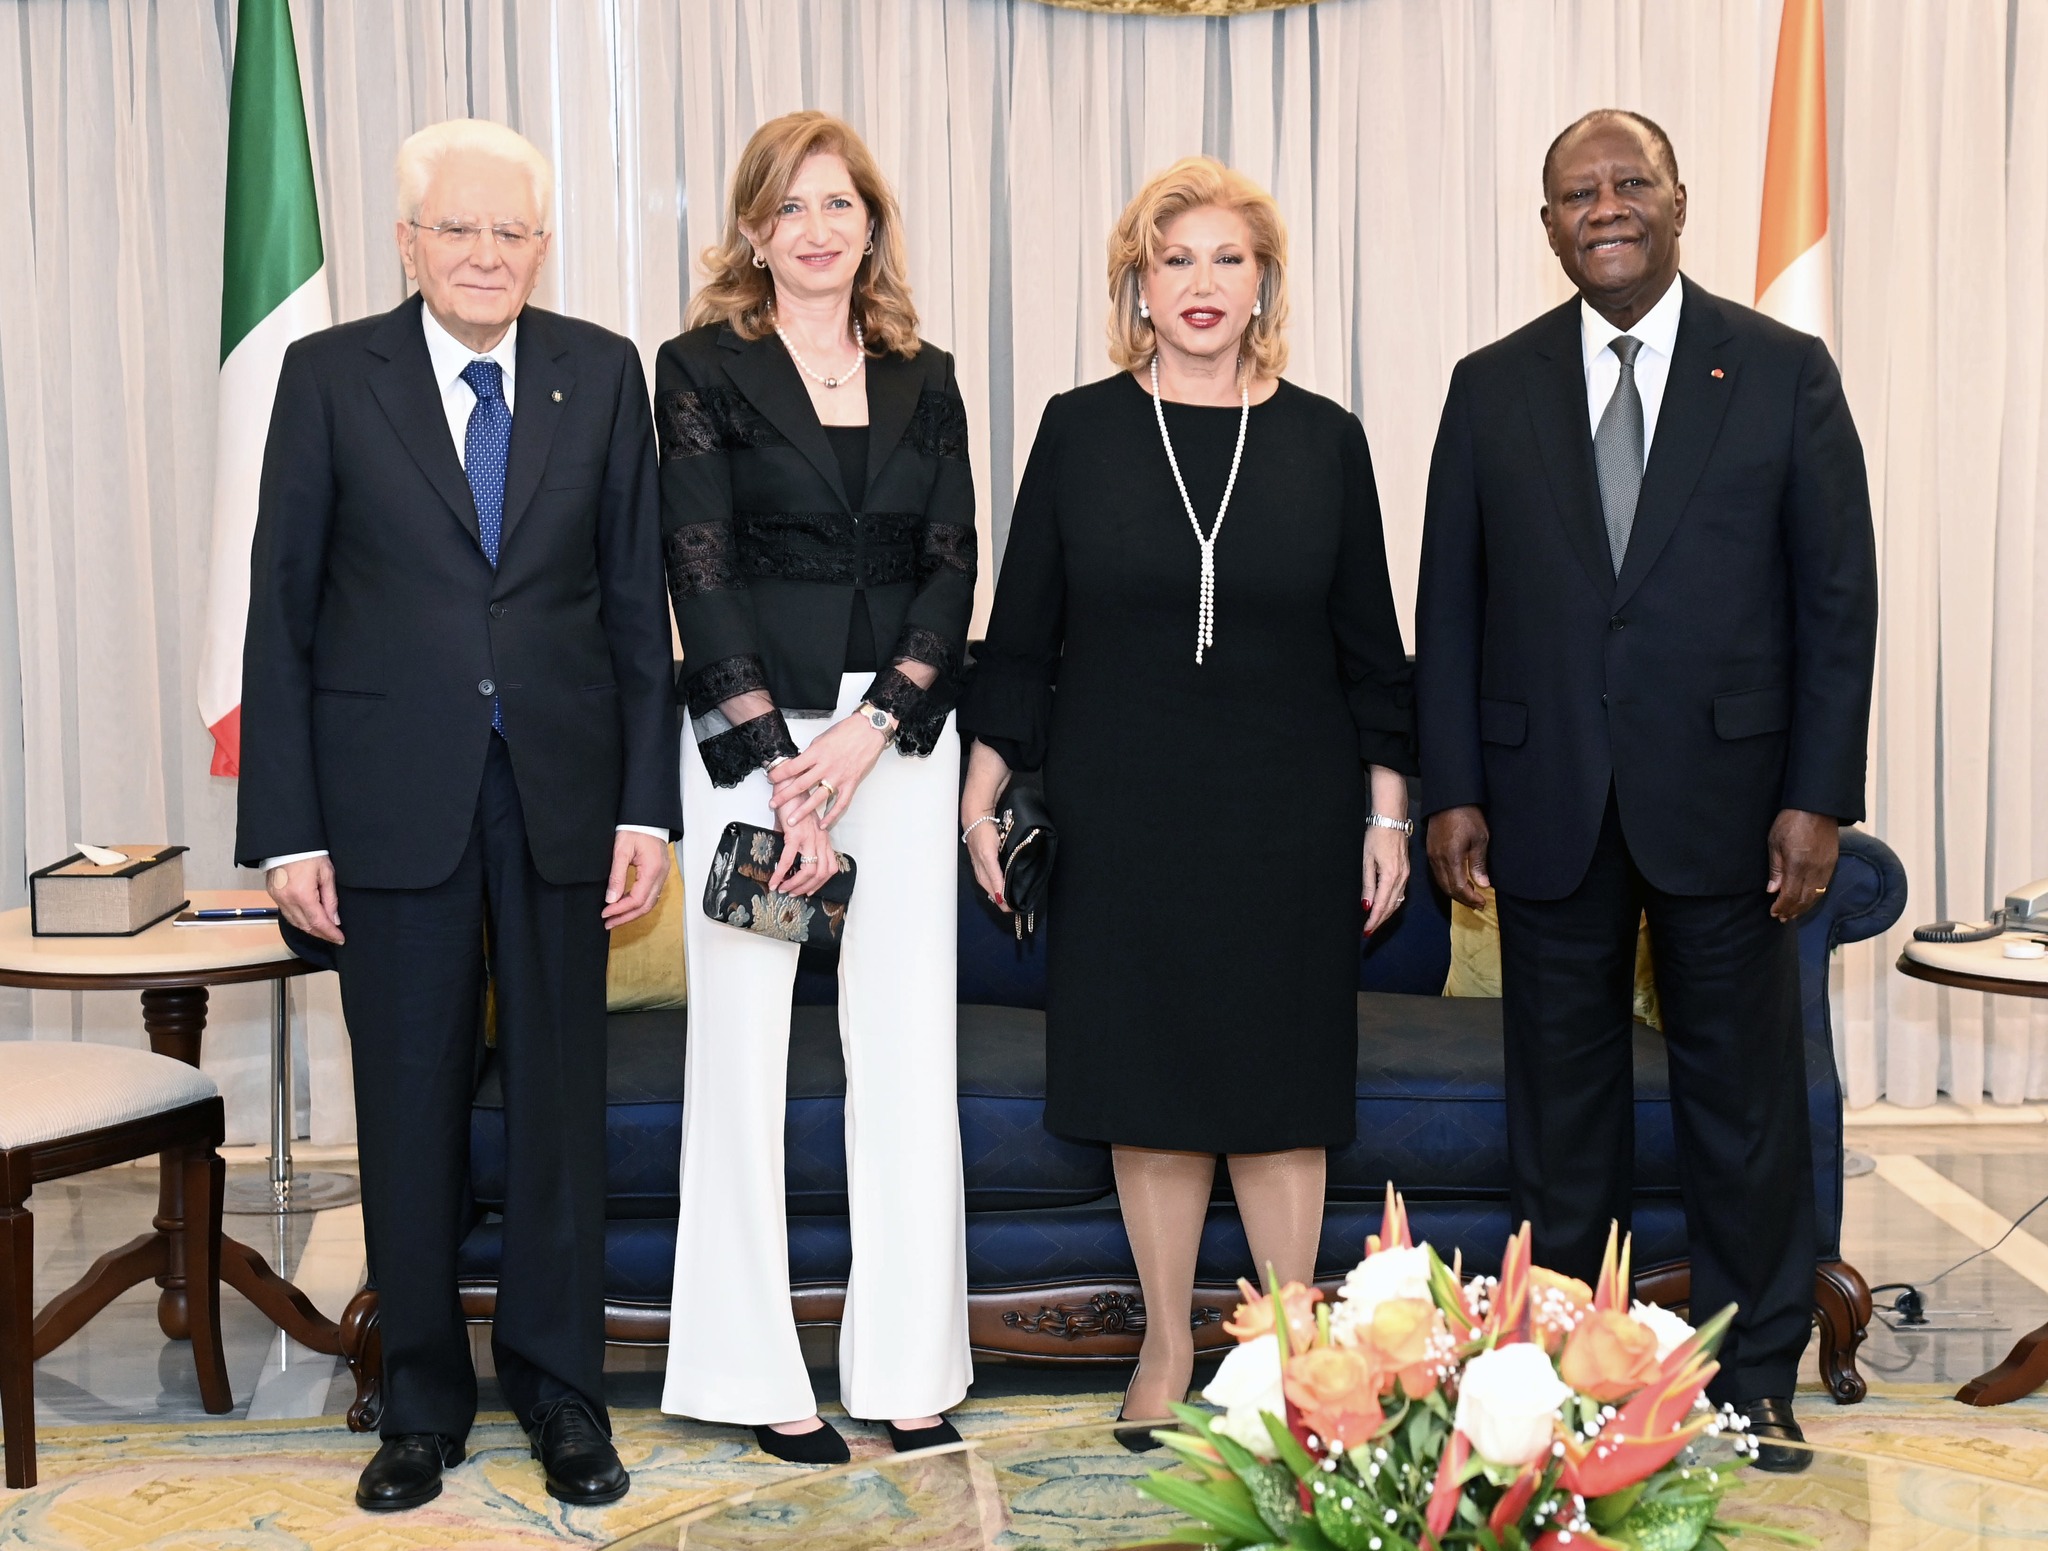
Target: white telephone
{"type": "Point", "coordinates": [2026, 910]}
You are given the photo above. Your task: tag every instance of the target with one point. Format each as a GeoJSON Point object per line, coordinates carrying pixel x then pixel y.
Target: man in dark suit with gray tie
{"type": "Point", "coordinates": [458, 744]}
{"type": "Point", "coordinates": [1646, 630]}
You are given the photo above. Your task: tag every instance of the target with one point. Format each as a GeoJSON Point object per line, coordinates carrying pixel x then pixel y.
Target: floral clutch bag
{"type": "Point", "coordinates": [738, 895]}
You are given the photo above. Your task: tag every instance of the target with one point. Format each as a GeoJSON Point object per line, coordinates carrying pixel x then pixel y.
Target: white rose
{"type": "Point", "coordinates": [1671, 1331]}
{"type": "Point", "coordinates": [1507, 1402]}
{"type": "Point", "coordinates": [1392, 1273]}
{"type": "Point", "coordinates": [1246, 1384]}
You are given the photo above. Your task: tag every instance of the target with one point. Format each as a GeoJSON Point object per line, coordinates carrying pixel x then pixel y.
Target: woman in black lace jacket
{"type": "Point", "coordinates": [819, 522]}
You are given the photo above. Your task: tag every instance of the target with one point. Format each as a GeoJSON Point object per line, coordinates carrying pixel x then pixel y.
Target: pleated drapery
{"type": "Point", "coordinates": [1403, 139]}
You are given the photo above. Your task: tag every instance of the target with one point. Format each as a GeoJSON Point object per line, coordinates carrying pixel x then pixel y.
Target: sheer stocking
{"type": "Point", "coordinates": [1280, 1197]}
{"type": "Point", "coordinates": [1165, 1196]}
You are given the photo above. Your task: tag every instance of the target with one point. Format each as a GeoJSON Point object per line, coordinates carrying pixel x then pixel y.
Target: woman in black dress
{"type": "Point", "coordinates": [1227, 741]}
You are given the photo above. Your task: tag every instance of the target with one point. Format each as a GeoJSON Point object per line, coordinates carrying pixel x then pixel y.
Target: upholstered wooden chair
{"type": "Point", "coordinates": [67, 1108]}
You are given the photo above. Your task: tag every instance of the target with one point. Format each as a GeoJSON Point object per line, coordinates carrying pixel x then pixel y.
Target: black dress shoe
{"type": "Point", "coordinates": [406, 1472]}
{"type": "Point", "coordinates": [908, 1440]}
{"type": "Point", "coordinates": [1775, 1429]}
{"type": "Point", "coordinates": [582, 1467]}
{"type": "Point", "coordinates": [822, 1445]}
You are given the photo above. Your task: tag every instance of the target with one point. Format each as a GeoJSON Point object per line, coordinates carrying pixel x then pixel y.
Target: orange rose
{"type": "Point", "coordinates": [1255, 1314]}
{"type": "Point", "coordinates": [1556, 1304]}
{"type": "Point", "coordinates": [1397, 1342]}
{"type": "Point", "coordinates": [1337, 1394]}
{"type": "Point", "coordinates": [1609, 1356]}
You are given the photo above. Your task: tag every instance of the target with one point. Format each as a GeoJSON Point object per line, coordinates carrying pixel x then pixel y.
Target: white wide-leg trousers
{"type": "Point", "coordinates": [733, 1354]}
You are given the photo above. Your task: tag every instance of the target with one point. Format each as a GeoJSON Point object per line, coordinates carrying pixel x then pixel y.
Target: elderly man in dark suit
{"type": "Point", "coordinates": [458, 742]}
{"type": "Point", "coordinates": [1646, 629]}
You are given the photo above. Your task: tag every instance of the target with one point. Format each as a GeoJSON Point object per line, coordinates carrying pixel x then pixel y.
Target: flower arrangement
{"type": "Point", "coordinates": [1425, 1412]}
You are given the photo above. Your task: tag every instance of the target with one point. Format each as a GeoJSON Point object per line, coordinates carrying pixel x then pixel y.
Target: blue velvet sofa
{"type": "Point", "coordinates": [1049, 1269]}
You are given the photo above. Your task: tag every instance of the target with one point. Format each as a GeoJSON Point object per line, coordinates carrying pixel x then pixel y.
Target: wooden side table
{"type": "Point", "coordinates": [1983, 966]}
{"type": "Point", "coordinates": [172, 966]}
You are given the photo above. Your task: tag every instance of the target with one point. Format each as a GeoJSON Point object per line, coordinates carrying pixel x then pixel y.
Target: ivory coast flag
{"type": "Point", "coordinates": [1795, 276]}
{"type": "Point", "coordinates": [273, 289]}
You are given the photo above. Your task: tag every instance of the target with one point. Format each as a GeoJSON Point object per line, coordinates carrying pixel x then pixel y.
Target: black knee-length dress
{"type": "Point", "coordinates": [1204, 916]}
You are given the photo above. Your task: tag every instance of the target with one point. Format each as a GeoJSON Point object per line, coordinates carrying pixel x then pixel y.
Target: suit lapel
{"type": "Point", "coordinates": [405, 389]}
{"type": "Point", "coordinates": [1556, 385]}
{"type": "Point", "coordinates": [893, 386]}
{"type": "Point", "coordinates": [762, 370]}
{"type": "Point", "coordinates": [546, 378]}
{"type": "Point", "coordinates": [1688, 421]}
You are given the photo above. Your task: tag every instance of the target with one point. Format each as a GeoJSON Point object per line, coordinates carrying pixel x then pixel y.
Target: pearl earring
{"type": "Point", "coordinates": [1258, 308]}
{"type": "Point", "coordinates": [759, 262]}
{"type": "Point", "coordinates": [1143, 310]}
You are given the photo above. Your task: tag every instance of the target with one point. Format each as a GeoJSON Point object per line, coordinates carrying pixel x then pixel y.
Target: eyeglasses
{"type": "Point", "coordinates": [511, 236]}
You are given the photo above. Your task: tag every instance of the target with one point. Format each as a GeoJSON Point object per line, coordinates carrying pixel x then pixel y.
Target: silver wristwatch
{"type": "Point", "coordinates": [1381, 821]}
{"type": "Point", "coordinates": [877, 718]}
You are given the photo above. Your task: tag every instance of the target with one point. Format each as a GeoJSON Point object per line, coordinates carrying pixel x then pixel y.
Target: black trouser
{"type": "Point", "coordinates": [412, 978]}
{"type": "Point", "coordinates": [1728, 982]}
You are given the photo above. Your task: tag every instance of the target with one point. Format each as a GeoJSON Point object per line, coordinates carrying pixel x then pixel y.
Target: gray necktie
{"type": "Point", "coordinates": [1618, 450]}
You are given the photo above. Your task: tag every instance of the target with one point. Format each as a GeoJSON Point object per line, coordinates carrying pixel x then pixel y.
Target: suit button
{"type": "Point", "coordinates": [1616, 623]}
{"type": "Point", "coordinates": [1603, 700]}
{"type": "Point", "coordinates": [486, 687]}
{"type": "Point", "coordinates": [497, 611]}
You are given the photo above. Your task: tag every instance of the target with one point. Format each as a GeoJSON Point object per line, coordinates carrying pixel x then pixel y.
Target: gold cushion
{"type": "Point", "coordinates": [646, 967]}
{"type": "Point", "coordinates": [1475, 960]}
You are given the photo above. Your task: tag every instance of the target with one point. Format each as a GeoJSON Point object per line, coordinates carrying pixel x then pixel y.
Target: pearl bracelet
{"type": "Point", "coordinates": [986, 818]}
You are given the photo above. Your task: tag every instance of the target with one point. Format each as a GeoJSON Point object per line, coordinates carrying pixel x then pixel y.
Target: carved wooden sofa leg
{"type": "Point", "coordinates": [362, 1348]}
{"type": "Point", "coordinates": [1841, 1306]}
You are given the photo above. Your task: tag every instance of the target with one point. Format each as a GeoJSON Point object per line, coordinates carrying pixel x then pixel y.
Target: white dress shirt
{"type": "Point", "coordinates": [1658, 330]}
{"type": "Point", "coordinates": [451, 358]}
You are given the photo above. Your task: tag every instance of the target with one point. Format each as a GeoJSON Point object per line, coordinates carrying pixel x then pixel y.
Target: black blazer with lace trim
{"type": "Point", "coordinates": [765, 551]}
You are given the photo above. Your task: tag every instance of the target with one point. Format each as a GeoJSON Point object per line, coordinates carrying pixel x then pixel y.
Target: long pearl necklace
{"type": "Point", "coordinates": [1205, 614]}
{"type": "Point", "coordinates": [860, 356]}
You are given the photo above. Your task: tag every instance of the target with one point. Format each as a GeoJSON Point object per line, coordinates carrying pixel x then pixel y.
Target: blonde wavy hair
{"type": "Point", "coordinates": [736, 292]}
{"type": "Point", "coordinates": [1193, 183]}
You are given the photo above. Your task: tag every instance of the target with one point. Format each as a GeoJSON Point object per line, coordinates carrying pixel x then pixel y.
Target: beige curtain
{"type": "Point", "coordinates": [1402, 138]}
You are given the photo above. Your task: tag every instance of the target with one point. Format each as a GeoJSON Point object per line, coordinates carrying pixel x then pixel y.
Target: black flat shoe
{"type": "Point", "coordinates": [406, 1472]}
{"type": "Point", "coordinates": [1774, 1427]}
{"type": "Point", "coordinates": [908, 1440]}
{"type": "Point", "coordinates": [822, 1445]}
{"type": "Point", "coordinates": [582, 1467]}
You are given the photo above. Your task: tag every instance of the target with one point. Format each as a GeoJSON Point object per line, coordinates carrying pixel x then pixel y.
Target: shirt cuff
{"type": "Point", "coordinates": [645, 829]}
{"type": "Point", "coordinates": [269, 862]}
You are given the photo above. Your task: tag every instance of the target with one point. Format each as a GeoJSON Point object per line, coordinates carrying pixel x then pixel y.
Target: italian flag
{"type": "Point", "coordinates": [273, 290]}
{"type": "Point", "coordinates": [1795, 274]}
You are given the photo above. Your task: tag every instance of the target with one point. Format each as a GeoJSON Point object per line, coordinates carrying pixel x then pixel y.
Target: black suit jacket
{"type": "Point", "coordinates": [1723, 676]}
{"type": "Point", "coordinates": [375, 622]}
{"type": "Point", "coordinates": [765, 548]}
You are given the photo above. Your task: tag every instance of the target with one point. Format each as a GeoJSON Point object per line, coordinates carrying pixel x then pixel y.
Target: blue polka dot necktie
{"type": "Point", "coordinates": [486, 449]}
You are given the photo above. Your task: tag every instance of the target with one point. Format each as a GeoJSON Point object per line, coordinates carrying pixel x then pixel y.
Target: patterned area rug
{"type": "Point", "coordinates": [290, 1486]}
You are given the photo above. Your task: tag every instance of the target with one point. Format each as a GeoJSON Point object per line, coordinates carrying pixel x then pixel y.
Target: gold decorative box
{"type": "Point", "coordinates": [80, 898]}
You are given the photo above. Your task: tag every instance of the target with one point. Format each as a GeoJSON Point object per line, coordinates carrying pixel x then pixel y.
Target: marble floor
{"type": "Point", "coordinates": [1936, 1195]}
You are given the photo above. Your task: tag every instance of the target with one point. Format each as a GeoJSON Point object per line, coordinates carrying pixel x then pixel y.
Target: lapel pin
{"type": "Point", "coordinates": [1716, 372]}
{"type": "Point", "coordinates": [557, 394]}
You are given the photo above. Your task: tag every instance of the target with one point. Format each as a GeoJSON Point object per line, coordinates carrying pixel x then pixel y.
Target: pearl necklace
{"type": "Point", "coordinates": [1205, 613]}
{"type": "Point", "coordinates": [860, 356]}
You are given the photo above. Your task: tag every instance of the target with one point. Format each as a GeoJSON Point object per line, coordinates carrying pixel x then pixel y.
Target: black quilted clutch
{"type": "Point", "coordinates": [737, 893]}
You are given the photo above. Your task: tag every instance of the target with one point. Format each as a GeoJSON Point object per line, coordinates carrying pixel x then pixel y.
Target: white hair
{"type": "Point", "coordinates": [422, 154]}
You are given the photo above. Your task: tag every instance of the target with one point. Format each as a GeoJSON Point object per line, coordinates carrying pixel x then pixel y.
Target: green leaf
{"type": "Point", "coordinates": [1191, 1450]}
{"type": "Point", "coordinates": [1212, 1504]}
{"type": "Point", "coordinates": [1666, 1526]}
{"type": "Point", "coordinates": [1292, 1454]}
{"type": "Point", "coordinates": [1350, 1528]}
{"type": "Point", "coordinates": [1276, 1496]}
{"type": "Point", "coordinates": [1606, 1512]}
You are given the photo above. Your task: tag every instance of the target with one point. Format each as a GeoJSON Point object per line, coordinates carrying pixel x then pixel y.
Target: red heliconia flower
{"type": "Point", "coordinates": [1515, 1499]}
{"type": "Point", "coordinates": [1651, 1429]}
{"type": "Point", "coordinates": [1393, 1232]}
{"type": "Point", "coordinates": [1443, 1500]}
{"type": "Point", "coordinates": [1611, 1292]}
{"type": "Point", "coordinates": [1507, 1317]}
